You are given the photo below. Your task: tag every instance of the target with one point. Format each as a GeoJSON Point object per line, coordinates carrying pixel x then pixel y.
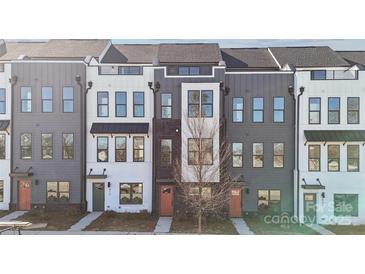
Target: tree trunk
{"type": "Point", "coordinates": [200, 222]}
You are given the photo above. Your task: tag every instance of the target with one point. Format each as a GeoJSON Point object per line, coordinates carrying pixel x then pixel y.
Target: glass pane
{"type": "Point", "coordinates": [47, 106]}
{"type": "Point", "coordinates": [2, 107]}
{"type": "Point", "coordinates": [206, 192]}
{"type": "Point", "coordinates": [64, 186]}
{"type": "Point", "coordinates": [274, 195]}
{"type": "Point", "coordinates": [237, 161]}
{"type": "Point", "coordinates": [166, 99]}
{"type": "Point", "coordinates": [103, 155]}
{"type": "Point", "coordinates": [258, 103]}
{"type": "Point", "coordinates": [2, 146]}
{"type": "Point", "coordinates": [353, 164]}
{"type": "Point", "coordinates": [137, 194]}
{"type": "Point", "coordinates": [120, 98]}
{"type": "Point", "coordinates": [68, 93]}
{"type": "Point", "coordinates": [314, 117]}
{"type": "Point", "coordinates": [353, 151]}
{"type": "Point", "coordinates": [2, 94]}
{"type": "Point", "coordinates": [314, 104]}
{"type": "Point", "coordinates": [207, 144]}
{"type": "Point", "coordinates": [26, 139]}
{"type": "Point", "coordinates": [103, 111]}
{"type": "Point", "coordinates": [193, 110]}
{"type": "Point", "coordinates": [47, 153]}
{"type": "Point", "coordinates": [26, 153]}
{"type": "Point", "coordinates": [166, 112]}
{"type": "Point", "coordinates": [333, 165]}
{"type": "Point", "coordinates": [125, 193]}
{"type": "Point", "coordinates": [258, 148]}
{"type": "Point", "coordinates": [138, 142]}
{"type": "Point", "coordinates": [138, 98]}
{"type": "Point", "coordinates": [47, 93]}
{"type": "Point", "coordinates": [278, 116]}
{"type": "Point", "coordinates": [193, 144]}
{"type": "Point", "coordinates": [258, 116]}
{"type": "Point", "coordinates": [27, 106]}
{"type": "Point", "coordinates": [68, 106]}
{"type": "Point", "coordinates": [278, 148]}
{"type": "Point", "coordinates": [121, 156]}
{"type": "Point", "coordinates": [278, 103]}
{"type": "Point", "coordinates": [138, 155]}
{"type": "Point", "coordinates": [103, 98]}
{"type": "Point", "coordinates": [333, 117]}
{"type": "Point", "coordinates": [207, 97]}
{"type": "Point", "coordinates": [334, 103]}
{"type": "Point", "coordinates": [183, 71]}
{"type": "Point", "coordinates": [314, 164]}
{"type": "Point", "coordinates": [102, 142]}
{"type": "Point", "coordinates": [46, 139]}
{"type": "Point", "coordinates": [318, 74]}
{"type": "Point", "coordinates": [139, 111]}
{"type": "Point", "coordinates": [314, 151]}
{"type": "Point", "coordinates": [194, 97]}
{"type": "Point", "coordinates": [238, 103]}
{"type": "Point", "coordinates": [278, 161]}
{"type": "Point", "coordinates": [194, 70]}
{"type": "Point", "coordinates": [207, 110]}
{"type": "Point", "coordinates": [52, 191]}
{"type": "Point", "coordinates": [333, 151]}
{"type": "Point", "coordinates": [237, 116]}
{"type": "Point", "coordinates": [26, 93]}
{"type": "Point", "coordinates": [68, 139]}
{"type": "Point", "coordinates": [120, 142]}
{"type": "Point", "coordinates": [353, 104]}
{"type": "Point", "coordinates": [263, 199]}
{"type": "Point", "coordinates": [237, 148]}
{"type": "Point", "coordinates": [258, 161]}
{"type": "Point", "coordinates": [353, 117]}
{"type": "Point", "coordinates": [121, 111]}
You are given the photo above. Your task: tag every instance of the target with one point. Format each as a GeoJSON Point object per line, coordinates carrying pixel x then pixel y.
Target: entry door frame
{"type": "Point", "coordinates": [93, 193]}
{"type": "Point", "coordinates": [315, 205]}
{"type": "Point", "coordinates": [169, 212]}
{"type": "Point", "coordinates": [232, 212]}
{"type": "Point", "coordinates": [27, 202]}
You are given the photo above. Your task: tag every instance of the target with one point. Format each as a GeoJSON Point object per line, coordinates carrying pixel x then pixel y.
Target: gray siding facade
{"type": "Point", "coordinates": [267, 177]}
{"type": "Point", "coordinates": [57, 76]}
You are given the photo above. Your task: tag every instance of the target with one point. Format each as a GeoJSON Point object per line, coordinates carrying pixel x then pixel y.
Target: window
{"type": "Point", "coordinates": [237, 154]}
{"type": "Point", "coordinates": [333, 152]}
{"type": "Point", "coordinates": [200, 105]}
{"type": "Point", "coordinates": [58, 192]}
{"type": "Point", "coordinates": [353, 160]}
{"type": "Point", "coordinates": [207, 103]}
{"type": "Point", "coordinates": [314, 157]}
{"type": "Point", "coordinates": [279, 106]}
{"type": "Point", "coordinates": [314, 110]}
{"type": "Point", "coordinates": [26, 99]}
{"type": "Point", "coordinates": [166, 105]}
{"type": "Point", "coordinates": [166, 152]}
{"type": "Point", "coordinates": [278, 160]}
{"type": "Point", "coordinates": [257, 109]}
{"type": "Point", "coordinates": [206, 192]}
{"type": "Point", "coordinates": [237, 109]}
{"type": "Point", "coordinates": [102, 149]}
{"type": "Point", "coordinates": [353, 110]}
{"type": "Point", "coordinates": [131, 194]}
{"type": "Point", "coordinates": [103, 104]}
{"type": "Point", "coordinates": [1, 191]}
{"type": "Point", "coordinates": [269, 200]}
{"type": "Point", "coordinates": [130, 70]}
{"type": "Point", "coordinates": [47, 146]}
{"type": "Point", "coordinates": [194, 103]}
{"type": "Point", "coordinates": [258, 155]}
{"type": "Point", "coordinates": [138, 149]}
{"type": "Point", "coordinates": [68, 99]}
{"type": "Point", "coordinates": [120, 104]}
{"type": "Point", "coordinates": [2, 101]}
{"type": "Point", "coordinates": [26, 146]}
{"type": "Point", "coordinates": [189, 70]}
{"type": "Point", "coordinates": [2, 147]}
{"type": "Point", "coordinates": [47, 99]}
{"type": "Point", "coordinates": [318, 75]}
{"type": "Point", "coordinates": [334, 110]}
{"type": "Point", "coordinates": [121, 149]}
{"type": "Point", "coordinates": [138, 104]}
{"type": "Point", "coordinates": [67, 146]}
{"type": "Point", "coordinates": [346, 205]}
{"type": "Point", "coordinates": [200, 149]}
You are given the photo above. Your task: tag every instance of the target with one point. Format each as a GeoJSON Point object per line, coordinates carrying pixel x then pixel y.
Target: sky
{"type": "Point", "coordinates": [336, 44]}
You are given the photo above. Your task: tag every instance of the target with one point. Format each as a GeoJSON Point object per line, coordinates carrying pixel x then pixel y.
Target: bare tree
{"type": "Point", "coordinates": [202, 174]}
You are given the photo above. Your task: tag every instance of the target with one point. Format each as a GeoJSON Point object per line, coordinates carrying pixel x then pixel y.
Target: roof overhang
{"type": "Point", "coordinates": [313, 187]}
{"type": "Point", "coordinates": [119, 128]}
{"type": "Point", "coordinates": [335, 135]}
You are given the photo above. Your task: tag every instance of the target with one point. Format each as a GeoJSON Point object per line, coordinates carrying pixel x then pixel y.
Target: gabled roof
{"type": "Point", "coordinates": [131, 54]}
{"type": "Point", "coordinates": [353, 57]}
{"type": "Point", "coordinates": [16, 49]}
{"type": "Point", "coordinates": [242, 58]}
{"type": "Point", "coordinates": [308, 56]}
{"type": "Point", "coordinates": [208, 53]}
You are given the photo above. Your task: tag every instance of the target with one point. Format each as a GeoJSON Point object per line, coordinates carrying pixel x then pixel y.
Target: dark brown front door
{"type": "Point", "coordinates": [235, 202]}
{"type": "Point", "coordinates": [166, 200]}
{"type": "Point", "coordinates": [24, 194]}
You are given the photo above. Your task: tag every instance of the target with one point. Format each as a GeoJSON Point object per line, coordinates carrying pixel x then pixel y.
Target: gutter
{"type": "Point", "coordinates": [13, 80]}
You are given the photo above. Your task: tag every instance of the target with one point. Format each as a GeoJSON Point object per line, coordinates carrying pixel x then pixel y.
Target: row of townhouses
{"type": "Point", "coordinates": [91, 125]}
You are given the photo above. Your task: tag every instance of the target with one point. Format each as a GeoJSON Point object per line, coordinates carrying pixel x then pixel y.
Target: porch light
{"type": "Point", "coordinates": [109, 184]}
{"type": "Point", "coordinates": [323, 195]}
{"type": "Point", "coordinates": [247, 191]}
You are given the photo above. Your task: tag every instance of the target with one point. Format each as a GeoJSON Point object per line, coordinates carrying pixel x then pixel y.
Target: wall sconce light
{"type": "Point", "coordinates": [36, 182]}
{"type": "Point", "coordinates": [247, 191]}
{"type": "Point", "coordinates": [109, 184]}
{"type": "Point", "coordinates": [323, 195]}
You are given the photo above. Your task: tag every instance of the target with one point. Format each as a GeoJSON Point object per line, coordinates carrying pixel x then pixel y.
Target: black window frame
{"type": "Point", "coordinates": [353, 158]}
{"type": "Point", "coordinates": [164, 163]}
{"type": "Point", "coordinates": [275, 155]}
{"type": "Point", "coordinates": [189, 69]}
{"type": "Point", "coordinates": [206, 104]}
{"type": "Point", "coordinates": [44, 147]}
{"type": "Point", "coordinates": [3, 102]}
{"type": "Point", "coordinates": [258, 155]}
{"type": "Point", "coordinates": [235, 110]}
{"type": "Point", "coordinates": [345, 197]}
{"type": "Point", "coordinates": [116, 150]}
{"type": "Point", "coordinates": [57, 199]}
{"type": "Point", "coordinates": [98, 150]}
{"type": "Point", "coordinates": [117, 105]}
{"type": "Point", "coordinates": [138, 149]}
{"type": "Point", "coordinates": [130, 185]}
{"type": "Point", "coordinates": [278, 109]}
{"type": "Point", "coordinates": [128, 70]}
{"type": "Point", "coordinates": [237, 155]}
{"type": "Point", "coordinates": [22, 147]}
{"type": "Point", "coordinates": [201, 153]}
{"type": "Point", "coordinates": [47, 100]}
{"type": "Point", "coordinates": [310, 111]}
{"type": "Point", "coordinates": [1, 191]}
{"type": "Point", "coordinates": [68, 100]}
{"type": "Point", "coordinates": [2, 146]}
{"type": "Point", "coordinates": [195, 104]}
{"type": "Point", "coordinates": [68, 146]}
{"type": "Point", "coordinates": [314, 158]}
{"type": "Point", "coordinates": [337, 159]}
{"type": "Point", "coordinates": [254, 110]}
{"type": "Point", "coordinates": [22, 101]}
{"type": "Point", "coordinates": [270, 202]}
{"type": "Point", "coordinates": [357, 111]}
{"type": "Point", "coordinates": [100, 104]}
{"type": "Point", "coordinates": [329, 111]}
{"type": "Point", "coordinates": [313, 72]}
{"type": "Point", "coordinates": [166, 106]}
{"type": "Point", "coordinates": [136, 105]}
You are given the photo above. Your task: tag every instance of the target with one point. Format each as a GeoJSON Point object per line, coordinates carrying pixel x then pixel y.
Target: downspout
{"type": "Point", "coordinates": [89, 86]}
{"type": "Point", "coordinates": [13, 80]}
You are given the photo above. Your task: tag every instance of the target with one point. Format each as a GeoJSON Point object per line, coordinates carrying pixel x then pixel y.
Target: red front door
{"type": "Point", "coordinates": [24, 195]}
{"type": "Point", "coordinates": [166, 200]}
{"type": "Point", "coordinates": [235, 203]}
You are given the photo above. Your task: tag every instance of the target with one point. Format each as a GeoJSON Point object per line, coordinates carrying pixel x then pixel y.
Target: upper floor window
{"type": "Point", "coordinates": [121, 149]}
{"type": "Point", "coordinates": [200, 103]}
{"type": "Point", "coordinates": [314, 157]}
{"type": "Point", "coordinates": [237, 154]}
{"type": "Point", "coordinates": [314, 110]}
{"type": "Point", "coordinates": [138, 149]}
{"type": "Point", "coordinates": [279, 108]}
{"type": "Point", "coordinates": [334, 74]}
{"type": "Point", "coordinates": [200, 151]}
{"type": "Point", "coordinates": [58, 191]}
{"type": "Point", "coordinates": [353, 158]}
{"type": "Point", "coordinates": [258, 109]}
{"type": "Point", "coordinates": [47, 146]}
{"type": "Point", "coordinates": [183, 70]}
{"type": "Point", "coordinates": [68, 99]}
{"type": "Point", "coordinates": [132, 70]}
{"type": "Point", "coordinates": [26, 99]}
{"type": "Point", "coordinates": [103, 104]}
{"type": "Point", "coordinates": [67, 146]}
{"type": "Point", "coordinates": [2, 147]}
{"type": "Point", "coordinates": [2, 101]}
{"type": "Point", "coordinates": [318, 75]}
{"type": "Point", "coordinates": [237, 110]}
{"type": "Point", "coordinates": [102, 149]}
{"type": "Point", "coordinates": [47, 99]}
{"type": "Point", "coordinates": [258, 155]}
{"type": "Point", "coordinates": [26, 146]}
{"type": "Point", "coordinates": [166, 105]}
{"type": "Point", "coordinates": [278, 160]}
{"type": "Point", "coordinates": [333, 157]}
{"type": "Point", "coordinates": [166, 152]}
{"type": "Point", "coordinates": [138, 104]}
{"type": "Point", "coordinates": [120, 104]}
{"type": "Point", "coordinates": [333, 110]}
{"type": "Point", "coordinates": [353, 110]}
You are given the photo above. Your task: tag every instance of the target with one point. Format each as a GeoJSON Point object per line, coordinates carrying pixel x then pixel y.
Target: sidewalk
{"type": "Point", "coordinates": [320, 229]}
{"type": "Point", "coordinates": [163, 225]}
{"type": "Point", "coordinates": [12, 216]}
{"type": "Point", "coordinates": [241, 226]}
{"type": "Point", "coordinates": [85, 222]}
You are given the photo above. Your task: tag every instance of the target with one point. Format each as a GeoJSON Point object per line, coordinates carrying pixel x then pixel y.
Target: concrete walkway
{"type": "Point", "coordinates": [163, 225]}
{"type": "Point", "coordinates": [241, 226]}
{"type": "Point", "coordinates": [12, 216]}
{"type": "Point", "coordinates": [84, 222]}
{"type": "Point", "coordinates": [320, 229]}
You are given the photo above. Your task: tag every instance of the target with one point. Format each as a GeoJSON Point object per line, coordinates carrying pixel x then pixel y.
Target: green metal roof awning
{"type": "Point", "coordinates": [335, 135]}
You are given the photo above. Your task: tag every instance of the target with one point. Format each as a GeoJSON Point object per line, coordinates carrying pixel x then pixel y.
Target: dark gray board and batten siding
{"type": "Point", "coordinates": [57, 76]}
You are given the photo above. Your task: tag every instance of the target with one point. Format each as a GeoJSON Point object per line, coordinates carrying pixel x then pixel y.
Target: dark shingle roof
{"type": "Point", "coordinates": [131, 53]}
{"type": "Point", "coordinates": [241, 58]}
{"type": "Point", "coordinates": [353, 57]}
{"type": "Point", "coordinates": [335, 135]}
{"type": "Point", "coordinates": [4, 124]}
{"type": "Point", "coordinates": [308, 56]}
{"type": "Point", "coordinates": [115, 128]}
{"type": "Point", "coordinates": [14, 50]}
{"type": "Point", "coordinates": [189, 53]}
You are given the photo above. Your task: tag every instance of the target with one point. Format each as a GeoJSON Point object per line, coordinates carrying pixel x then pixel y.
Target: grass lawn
{"type": "Point", "coordinates": [55, 220]}
{"type": "Point", "coordinates": [3, 213]}
{"type": "Point", "coordinates": [346, 229]}
{"type": "Point", "coordinates": [126, 222]}
{"type": "Point", "coordinates": [189, 225]}
{"type": "Point", "coordinates": [260, 227]}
